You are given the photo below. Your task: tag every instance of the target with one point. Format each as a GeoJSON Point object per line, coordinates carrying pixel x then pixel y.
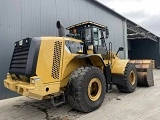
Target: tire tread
{"type": "Point", "coordinates": [125, 88]}
{"type": "Point", "coordinates": [75, 88]}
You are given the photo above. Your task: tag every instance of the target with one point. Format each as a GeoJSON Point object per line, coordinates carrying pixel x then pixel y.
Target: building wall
{"type": "Point", "coordinates": [31, 18]}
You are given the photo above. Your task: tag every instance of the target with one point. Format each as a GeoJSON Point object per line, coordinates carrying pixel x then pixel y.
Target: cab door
{"type": "Point", "coordinates": [99, 43]}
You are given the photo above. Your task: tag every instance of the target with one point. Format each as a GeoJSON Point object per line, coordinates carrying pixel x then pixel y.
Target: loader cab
{"type": "Point", "coordinates": [92, 34]}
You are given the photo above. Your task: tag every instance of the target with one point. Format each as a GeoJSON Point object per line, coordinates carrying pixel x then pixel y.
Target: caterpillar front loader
{"type": "Point", "coordinates": [78, 67]}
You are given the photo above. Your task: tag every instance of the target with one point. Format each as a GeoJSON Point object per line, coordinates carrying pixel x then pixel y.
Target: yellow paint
{"type": "Point", "coordinates": [94, 89]}
{"type": "Point", "coordinates": [96, 60]}
{"type": "Point", "coordinates": [45, 59]}
{"type": "Point", "coordinates": [132, 77]}
{"type": "Point", "coordinates": [36, 90]}
{"type": "Point", "coordinates": [50, 81]}
{"type": "Point", "coordinates": [117, 65]}
{"type": "Point", "coordinates": [70, 63]}
{"type": "Point", "coordinates": [89, 51]}
{"type": "Point", "coordinates": [67, 64]}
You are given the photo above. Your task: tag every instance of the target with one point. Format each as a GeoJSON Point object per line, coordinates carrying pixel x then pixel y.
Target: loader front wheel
{"type": "Point", "coordinates": [130, 79]}
{"type": "Point", "coordinates": [86, 89]}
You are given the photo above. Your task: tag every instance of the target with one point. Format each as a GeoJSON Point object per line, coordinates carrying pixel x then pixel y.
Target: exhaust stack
{"type": "Point", "coordinates": [61, 29]}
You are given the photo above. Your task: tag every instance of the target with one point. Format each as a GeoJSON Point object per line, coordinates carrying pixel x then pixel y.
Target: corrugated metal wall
{"type": "Point", "coordinates": [29, 18]}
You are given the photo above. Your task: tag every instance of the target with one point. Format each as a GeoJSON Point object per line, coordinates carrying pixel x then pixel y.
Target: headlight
{"type": "Point", "coordinates": [33, 79]}
{"type": "Point", "coordinates": [26, 41]}
{"type": "Point", "coordinates": [20, 43]}
{"type": "Point", "coordinates": [8, 76]}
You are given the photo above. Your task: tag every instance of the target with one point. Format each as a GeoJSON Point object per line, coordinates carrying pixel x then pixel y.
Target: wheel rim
{"type": "Point", "coordinates": [94, 89]}
{"type": "Point", "coordinates": [132, 78]}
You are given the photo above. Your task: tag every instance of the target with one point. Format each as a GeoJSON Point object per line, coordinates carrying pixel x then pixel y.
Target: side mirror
{"type": "Point", "coordinates": [120, 49]}
{"type": "Point", "coordinates": [107, 33]}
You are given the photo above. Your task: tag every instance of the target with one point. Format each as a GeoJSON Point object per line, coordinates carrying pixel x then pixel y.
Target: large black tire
{"type": "Point", "coordinates": [130, 79]}
{"type": "Point", "coordinates": [80, 94]}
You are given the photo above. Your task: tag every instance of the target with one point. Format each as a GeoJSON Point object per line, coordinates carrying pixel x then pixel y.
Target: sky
{"type": "Point", "coordinates": [145, 13]}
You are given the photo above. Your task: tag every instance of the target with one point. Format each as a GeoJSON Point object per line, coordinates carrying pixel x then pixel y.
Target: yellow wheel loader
{"type": "Point", "coordinates": [77, 67]}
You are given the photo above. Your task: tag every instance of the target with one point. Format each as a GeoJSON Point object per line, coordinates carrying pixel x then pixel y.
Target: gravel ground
{"type": "Point", "coordinates": [143, 104]}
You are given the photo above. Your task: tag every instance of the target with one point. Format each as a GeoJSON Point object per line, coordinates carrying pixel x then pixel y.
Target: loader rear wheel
{"type": "Point", "coordinates": [86, 89]}
{"type": "Point", "coordinates": [130, 79]}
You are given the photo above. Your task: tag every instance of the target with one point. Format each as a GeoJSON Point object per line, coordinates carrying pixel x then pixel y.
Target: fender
{"type": "Point", "coordinates": [78, 61]}
{"type": "Point", "coordinates": [95, 59]}
{"type": "Point", "coordinates": [118, 67]}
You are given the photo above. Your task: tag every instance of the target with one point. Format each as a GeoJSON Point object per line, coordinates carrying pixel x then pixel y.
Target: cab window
{"type": "Point", "coordinates": [88, 34]}
{"type": "Point", "coordinates": [96, 37]}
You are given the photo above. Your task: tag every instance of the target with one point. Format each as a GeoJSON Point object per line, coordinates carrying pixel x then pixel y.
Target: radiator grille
{"type": "Point", "coordinates": [56, 59]}
{"type": "Point", "coordinates": [19, 57]}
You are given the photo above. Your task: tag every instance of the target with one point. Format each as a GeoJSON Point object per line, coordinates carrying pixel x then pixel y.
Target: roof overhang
{"type": "Point", "coordinates": [136, 32]}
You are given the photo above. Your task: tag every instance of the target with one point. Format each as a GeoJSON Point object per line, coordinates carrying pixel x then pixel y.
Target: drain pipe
{"type": "Point", "coordinates": [125, 39]}
{"type": "Point", "coordinates": [61, 29]}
